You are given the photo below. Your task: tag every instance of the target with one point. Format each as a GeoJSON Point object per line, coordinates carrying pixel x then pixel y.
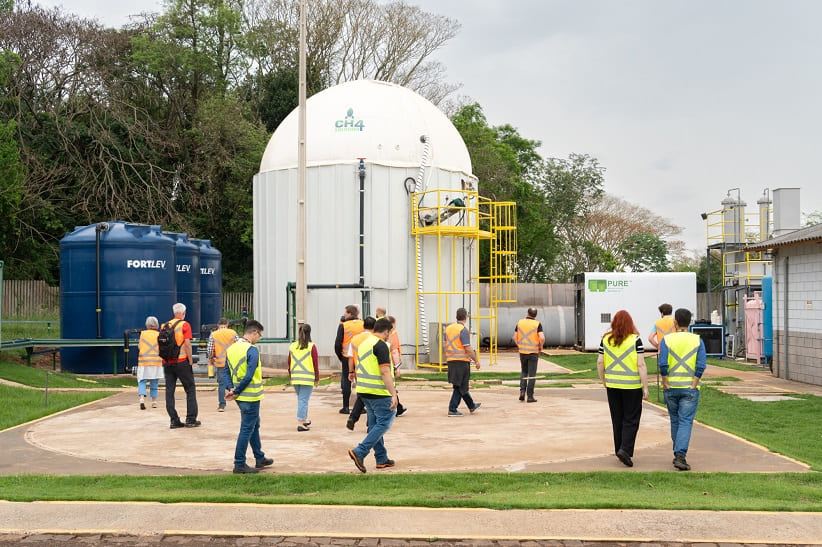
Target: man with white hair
{"type": "Point", "coordinates": [180, 367]}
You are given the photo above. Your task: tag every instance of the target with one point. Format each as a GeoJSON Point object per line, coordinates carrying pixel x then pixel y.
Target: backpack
{"type": "Point", "coordinates": [167, 342]}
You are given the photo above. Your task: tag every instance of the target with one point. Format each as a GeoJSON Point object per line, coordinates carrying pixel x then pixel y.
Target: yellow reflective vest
{"type": "Point", "coordinates": [682, 350]}
{"type": "Point", "coordinates": [369, 375]}
{"type": "Point", "coordinates": [621, 363]}
{"type": "Point", "coordinates": [237, 361]}
{"type": "Point", "coordinates": [302, 365]}
{"type": "Point", "coordinates": [149, 355]}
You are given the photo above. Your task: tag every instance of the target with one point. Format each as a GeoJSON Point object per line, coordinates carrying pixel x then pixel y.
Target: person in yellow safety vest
{"type": "Point", "coordinates": [359, 406]}
{"type": "Point", "coordinates": [181, 369]}
{"type": "Point", "coordinates": [218, 342]}
{"type": "Point", "coordinates": [621, 368]}
{"type": "Point", "coordinates": [663, 326]}
{"type": "Point", "coordinates": [304, 372]}
{"type": "Point", "coordinates": [375, 384]}
{"type": "Point", "coordinates": [350, 325]}
{"type": "Point", "coordinates": [530, 338]}
{"type": "Point", "coordinates": [149, 364]}
{"type": "Point", "coordinates": [682, 361]}
{"type": "Point", "coordinates": [243, 375]}
{"type": "Point", "coordinates": [459, 355]}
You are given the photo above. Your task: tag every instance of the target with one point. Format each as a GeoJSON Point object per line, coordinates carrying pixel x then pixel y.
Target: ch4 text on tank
{"type": "Point", "coordinates": [146, 264]}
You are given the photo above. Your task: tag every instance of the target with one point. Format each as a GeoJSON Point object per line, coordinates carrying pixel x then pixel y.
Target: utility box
{"type": "Point", "coordinates": [713, 336]}
{"type": "Point", "coordinates": [599, 295]}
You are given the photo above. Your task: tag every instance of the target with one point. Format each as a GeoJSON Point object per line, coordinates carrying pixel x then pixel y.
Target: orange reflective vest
{"type": "Point", "coordinates": [178, 335]}
{"type": "Point", "coordinates": [454, 350]}
{"type": "Point", "coordinates": [527, 336]}
{"type": "Point", "coordinates": [664, 326]}
{"type": "Point", "coordinates": [351, 328]}
{"type": "Point", "coordinates": [223, 338]}
{"type": "Point", "coordinates": [356, 340]}
{"type": "Point", "coordinates": [149, 351]}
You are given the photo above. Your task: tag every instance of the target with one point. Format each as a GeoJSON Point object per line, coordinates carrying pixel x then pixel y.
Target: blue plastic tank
{"type": "Point", "coordinates": [211, 282]}
{"type": "Point", "coordinates": [767, 317]}
{"type": "Point", "coordinates": [188, 280]}
{"type": "Point", "coordinates": [137, 279]}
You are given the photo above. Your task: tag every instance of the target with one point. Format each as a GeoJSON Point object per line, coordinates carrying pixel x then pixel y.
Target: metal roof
{"type": "Point", "coordinates": [811, 234]}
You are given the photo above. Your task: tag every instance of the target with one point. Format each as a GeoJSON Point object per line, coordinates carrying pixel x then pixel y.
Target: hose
{"type": "Point", "coordinates": [418, 187]}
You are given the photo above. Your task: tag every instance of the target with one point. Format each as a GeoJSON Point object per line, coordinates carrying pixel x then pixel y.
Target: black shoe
{"type": "Point", "coordinates": [624, 458]}
{"type": "Point", "coordinates": [177, 425]}
{"type": "Point", "coordinates": [531, 400]}
{"type": "Point", "coordinates": [142, 406]}
{"type": "Point", "coordinates": [476, 407]}
{"type": "Point", "coordinates": [402, 412]}
{"type": "Point", "coordinates": [195, 423]}
{"type": "Point", "coordinates": [357, 461]}
{"type": "Point", "coordinates": [680, 463]}
{"type": "Point", "coordinates": [302, 428]}
{"type": "Point", "coordinates": [521, 395]}
{"type": "Point", "coordinates": [265, 462]}
{"type": "Point", "coordinates": [349, 423]}
{"type": "Point", "coordinates": [245, 469]}
{"type": "Point", "coordinates": [307, 423]}
{"type": "Point", "coordinates": [387, 463]}
{"type": "Point", "coordinates": [344, 410]}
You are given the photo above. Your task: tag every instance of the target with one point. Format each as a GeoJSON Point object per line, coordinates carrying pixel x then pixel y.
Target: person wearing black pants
{"type": "Point", "coordinates": [621, 368]}
{"type": "Point", "coordinates": [179, 367]}
{"type": "Point", "coordinates": [529, 338]}
{"type": "Point", "coordinates": [350, 326]}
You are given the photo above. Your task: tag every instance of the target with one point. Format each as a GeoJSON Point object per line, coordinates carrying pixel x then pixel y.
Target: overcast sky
{"type": "Point", "coordinates": [681, 101]}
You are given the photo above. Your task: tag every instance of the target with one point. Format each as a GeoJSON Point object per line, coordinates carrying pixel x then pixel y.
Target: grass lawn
{"type": "Point", "coordinates": [23, 404]}
{"type": "Point", "coordinates": [36, 377]}
{"type": "Point", "coordinates": [584, 365]}
{"type": "Point", "coordinates": [601, 490]}
{"type": "Point", "coordinates": [35, 327]}
{"type": "Point", "coordinates": [737, 365]}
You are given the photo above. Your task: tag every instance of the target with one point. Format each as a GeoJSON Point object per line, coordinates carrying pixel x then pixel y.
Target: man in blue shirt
{"type": "Point", "coordinates": [681, 362]}
{"type": "Point", "coordinates": [243, 377]}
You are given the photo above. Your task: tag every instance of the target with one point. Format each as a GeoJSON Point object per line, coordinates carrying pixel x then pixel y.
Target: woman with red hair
{"type": "Point", "coordinates": [621, 367]}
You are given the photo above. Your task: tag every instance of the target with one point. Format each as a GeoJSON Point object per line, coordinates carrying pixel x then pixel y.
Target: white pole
{"type": "Point", "coordinates": [301, 162]}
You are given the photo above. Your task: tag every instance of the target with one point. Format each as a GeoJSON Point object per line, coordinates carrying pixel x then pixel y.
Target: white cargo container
{"type": "Point", "coordinates": [599, 295]}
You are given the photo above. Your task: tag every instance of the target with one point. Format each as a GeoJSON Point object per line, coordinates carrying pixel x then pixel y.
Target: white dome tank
{"type": "Point", "coordinates": [382, 123]}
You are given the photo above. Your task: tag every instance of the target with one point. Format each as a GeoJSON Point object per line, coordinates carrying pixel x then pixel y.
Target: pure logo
{"type": "Point", "coordinates": [349, 123]}
{"type": "Point", "coordinates": [606, 285]}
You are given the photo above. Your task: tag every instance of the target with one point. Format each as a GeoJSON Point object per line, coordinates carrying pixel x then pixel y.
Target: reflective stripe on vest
{"type": "Point", "coordinates": [454, 350]}
{"type": "Point", "coordinates": [621, 363]}
{"type": "Point", "coordinates": [149, 355]}
{"type": "Point", "coordinates": [351, 328]}
{"type": "Point", "coordinates": [178, 336]}
{"type": "Point", "coordinates": [369, 376]}
{"type": "Point", "coordinates": [528, 336]}
{"type": "Point", "coordinates": [664, 327]}
{"type": "Point", "coordinates": [237, 362]}
{"type": "Point", "coordinates": [223, 338]}
{"type": "Point", "coordinates": [682, 350]}
{"type": "Point", "coordinates": [301, 373]}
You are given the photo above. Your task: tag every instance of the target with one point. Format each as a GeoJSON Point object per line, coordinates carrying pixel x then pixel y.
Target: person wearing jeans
{"type": "Point", "coordinates": [218, 343]}
{"type": "Point", "coordinates": [682, 361]}
{"type": "Point", "coordinates": [375, 385]}
{"type": "Point", "coordinates": [304, 373]}
{"type": "Point", "coordinates": [149, 363]}
{"type": "Point", "coordinates": [244, 379]}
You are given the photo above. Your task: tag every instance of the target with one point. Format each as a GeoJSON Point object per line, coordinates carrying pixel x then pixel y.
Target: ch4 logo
{"type": "Point", "coordinates": [349, 123]}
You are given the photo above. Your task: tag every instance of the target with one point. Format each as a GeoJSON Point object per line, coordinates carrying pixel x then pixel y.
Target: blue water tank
{"type": "Point", "coordinates": [188, 280]}
{"type": "Point", "coordinates": [211, 282]}
{"type": "Point", "coordinates": [137, 279]}
{"type": "Point", "coordinates": [767, 317]}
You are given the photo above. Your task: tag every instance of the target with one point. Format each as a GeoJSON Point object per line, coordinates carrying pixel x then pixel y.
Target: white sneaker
{"type": "Point", "coordinates": [153, 404]}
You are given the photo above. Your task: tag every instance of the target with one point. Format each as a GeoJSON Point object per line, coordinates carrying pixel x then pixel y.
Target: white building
{"type": "Point", "coordinates": [383, 124]}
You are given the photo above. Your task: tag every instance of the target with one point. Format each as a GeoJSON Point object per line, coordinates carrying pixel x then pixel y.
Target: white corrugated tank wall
{"type": "Point", "coordinates": [332, 245]}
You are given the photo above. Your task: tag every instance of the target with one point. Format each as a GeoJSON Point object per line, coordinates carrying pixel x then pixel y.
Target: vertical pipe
{"type": "Point", "coordinates": [366, 301]}
{"type": "Point", "coordinates": [301, 168]}
{"type": "Point", "coordinates": [422, 321]}
{"type": "Point", "coordinates": [100, 227]}
{"type": "Point", "coordinates": [708, 274]}
{"type": "Point", "coordinates": [785, 332]}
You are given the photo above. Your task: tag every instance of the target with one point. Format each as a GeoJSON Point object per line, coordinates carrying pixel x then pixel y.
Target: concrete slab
{"type": "Point", "coordinates": [567, 429]}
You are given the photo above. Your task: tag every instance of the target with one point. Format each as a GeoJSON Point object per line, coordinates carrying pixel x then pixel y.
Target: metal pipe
{"type": "Point", "coordinates": [418, 187]}
{"type": "Point", "coordinates": [100, 227]}
{"type": "Point", "coordinates": [785, 332]}
{"type": "Point", "coordinates": [301, 169]}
